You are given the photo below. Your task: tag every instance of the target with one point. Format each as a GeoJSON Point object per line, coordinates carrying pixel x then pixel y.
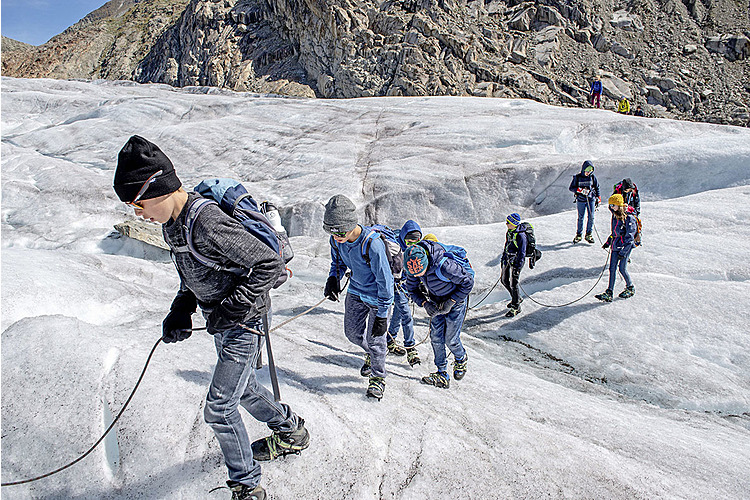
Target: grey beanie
{"type": "Point", "coordinates": [341, 215]}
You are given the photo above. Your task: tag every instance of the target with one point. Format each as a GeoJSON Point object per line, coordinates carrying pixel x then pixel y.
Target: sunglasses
{"type": "Point", "coordinates": [142, 191]}
{"type": "Point", "coordinates": [338, 234]}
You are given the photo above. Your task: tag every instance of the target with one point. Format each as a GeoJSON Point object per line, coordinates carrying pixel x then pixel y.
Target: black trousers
{"type": "Point", "coordinates": [509, 280]}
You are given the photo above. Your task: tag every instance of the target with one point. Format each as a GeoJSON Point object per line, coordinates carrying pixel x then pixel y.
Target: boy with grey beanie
{"type": "Point", "coordinates": [370, 293]}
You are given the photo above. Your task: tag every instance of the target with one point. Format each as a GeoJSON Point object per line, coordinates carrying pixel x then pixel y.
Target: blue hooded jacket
{"type": "Point", "coordinates": [583, 181]}
{"type": "Point", "coordinates": [622, 237]}
{"type": "Point", "coordinates": [372, 283]}
{"type": "Point", "coordinates": [457, 288]}
{"type": "Point", "coordinates": [409, 226]}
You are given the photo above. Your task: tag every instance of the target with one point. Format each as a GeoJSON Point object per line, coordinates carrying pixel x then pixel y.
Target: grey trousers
{"type": "Point", "coordinates": [358, 320]}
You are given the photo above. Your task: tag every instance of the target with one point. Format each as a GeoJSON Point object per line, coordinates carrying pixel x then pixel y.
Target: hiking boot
{"type": "Point", "coordinates": [395, 348]}
{"type": "Point", "coordinates": [628, 292]}
{"type": "Point", "coordinates": [510, 304]}
{"type": "Point", "coordinates": [376, 388]}
{"type": "Point", "coordinates": [366, 368]}
{"type": "Point", "coordinates": [513, 311]}
{"type": "Point", "coordinates": [244, 492]}
{"type": "Point", "coordinates": [605, 297]}
{"type": "Point", "coordinates": [577, 238]}
{"type": "Point", "coordinates": [438, 379]}
{"type": "Point", "coordinates": [279, 444]}
{"type": "Point", "coordinates": [412, 356]}
{"type": "Point", "coordinates": [589, 238]}
{"type": "Point", "coordinates": [459, 368]}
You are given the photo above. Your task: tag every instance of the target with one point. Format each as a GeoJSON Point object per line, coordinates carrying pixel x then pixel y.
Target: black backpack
{"type": "Point", "coordinates": [532, 252]}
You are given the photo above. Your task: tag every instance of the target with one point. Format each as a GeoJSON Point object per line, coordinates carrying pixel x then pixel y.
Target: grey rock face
{"type": "Point", "coordinates": [548, 51]}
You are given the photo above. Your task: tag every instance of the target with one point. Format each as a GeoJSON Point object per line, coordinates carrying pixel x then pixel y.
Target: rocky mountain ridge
{"type": "Point", "coordinates": [682, 59]}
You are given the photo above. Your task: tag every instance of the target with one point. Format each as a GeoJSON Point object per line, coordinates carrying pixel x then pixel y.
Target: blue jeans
{"type": "Point", "coordinates": [445, 330]}
{"type": "Point", "coordinates": [358, 320]}
{"type": "Point", "coordinates": [582, 207]}
{"type": "Point", "coordinates": [619, 261]}
{"type": "Point", "coordinates": [234, 384]}
{"type": "Point", "coordinates": [401, 317]}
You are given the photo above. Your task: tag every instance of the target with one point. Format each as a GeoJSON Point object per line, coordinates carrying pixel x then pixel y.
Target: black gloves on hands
{"type": "Point", "coordinates": [333, 289]}
{"type": "Point", "coordinates": [446, 306]}
{"type": "Point", "coordinates": [606, 245]}
{"type": "Point", "coordinates": [178, 325]}
{"type": "Point", "coordinates": [430, 308]}
{"type": "Point", "coordinates": [379, 327]}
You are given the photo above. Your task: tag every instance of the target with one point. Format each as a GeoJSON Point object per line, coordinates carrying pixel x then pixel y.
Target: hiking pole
{"type": "Point", "coordinates": [111, 426]}
{"type": "Point", "coordinates": [271, 364]}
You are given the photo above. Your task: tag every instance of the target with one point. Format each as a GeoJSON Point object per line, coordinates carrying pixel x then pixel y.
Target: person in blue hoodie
{"type": "Point", "coordinates": [447, 284]}
{"type": "Point", "coordinates": [370, 293]}
{"type": "Point", "coordinates": [622, 240]}
{"type": "Point", "coordinates": [410, 234]}
{"type": "Point", "coordinates": [586, 189]}
{"type": "Point", "coordinates": [514, 256]}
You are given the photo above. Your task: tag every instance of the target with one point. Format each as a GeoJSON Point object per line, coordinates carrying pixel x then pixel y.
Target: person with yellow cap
{"type": "Point", "coordinates": [622, 241]}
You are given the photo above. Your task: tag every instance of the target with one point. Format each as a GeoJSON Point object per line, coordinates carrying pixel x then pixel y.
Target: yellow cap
{"type": "Point", "coordinates": [616, 199]}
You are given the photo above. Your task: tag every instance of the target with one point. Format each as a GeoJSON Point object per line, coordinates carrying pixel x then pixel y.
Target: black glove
{"type": "Point", "coordinates": [223, 318]}
{"type": "Point", "coordinates": [379, 327]}
{"type": "Point", "coordinates": [446, 306]}
{"type": "Point", "coordinates": [333, 289]}
{"type": "Point", "coordinates": [178, 325]}
{"type": "Point", "coordinates": [606, 245]}
{"type": "Point", "coordinates": [430, 308]}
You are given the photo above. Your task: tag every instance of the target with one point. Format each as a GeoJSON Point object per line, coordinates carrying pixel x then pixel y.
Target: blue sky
{"type": "Point", "coordinates": [36, 21]}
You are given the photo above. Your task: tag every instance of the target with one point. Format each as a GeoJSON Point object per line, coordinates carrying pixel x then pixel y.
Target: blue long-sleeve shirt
{"type": "Point", "coordinates": [622, 236]}
{"type": "Point", "coordinates": [459, 283]}
{"type": "Point", "coordinates": [372, 283]}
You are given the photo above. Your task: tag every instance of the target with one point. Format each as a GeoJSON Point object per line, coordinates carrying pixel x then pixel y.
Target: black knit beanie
{"type": "Point", "coordinates": [138, 160]}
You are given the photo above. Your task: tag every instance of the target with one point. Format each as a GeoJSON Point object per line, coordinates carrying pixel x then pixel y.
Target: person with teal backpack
{"type": "Point", "coordinates": [447, 276]}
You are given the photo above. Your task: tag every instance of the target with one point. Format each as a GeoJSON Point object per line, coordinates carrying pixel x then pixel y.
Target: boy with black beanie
{"type": "Point", "coordinates": [232, 305]}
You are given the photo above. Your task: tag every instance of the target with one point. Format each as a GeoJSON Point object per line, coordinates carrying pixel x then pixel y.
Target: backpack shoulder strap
{"type": "Point", "coordinates": [438, 267]}
{"type": "Point", "coordinates": [194, 210]}
{"type": "Point", "coordinates": [367, 243]}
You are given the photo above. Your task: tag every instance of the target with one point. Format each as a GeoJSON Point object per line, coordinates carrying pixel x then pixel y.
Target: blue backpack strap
{"type": "Point", "coordinates": [438, 270]}
{"type": "Point", "coordinates": [366, 243]}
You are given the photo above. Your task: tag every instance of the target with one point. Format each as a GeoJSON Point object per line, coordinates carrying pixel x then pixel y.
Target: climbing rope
{"type": "Point", "coordinates": [138, 383]}
{"type": "Point", "coordinates": [111, 426]}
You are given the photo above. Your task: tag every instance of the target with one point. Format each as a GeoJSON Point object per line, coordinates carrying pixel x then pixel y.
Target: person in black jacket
{"type": "Point", "coordinates": [586, 189]}
{"type": "Point", "coordinates": [629, 193]}
{"type": "Point", "coordinates": [232, 304]}
{"type": "Point", "coordinates": [514, 256]}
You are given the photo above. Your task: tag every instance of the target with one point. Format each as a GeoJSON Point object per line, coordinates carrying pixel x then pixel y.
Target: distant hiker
{"type": "Point", "coordinates": [629, 193]}
{"type": "Point", "coordinates": [623, 107]}
{"type": "Point", "coordinates": [514, 256]}
{"type": "Point", "coordinates": [370, 292]}
{"type": "Point", "coordinates": [638, 111]}
{"type": "Point", "coordinates": [410, 234]}
{"type": "Point", "coordinates": [586, 189]}
{"type": "Point", "coordinates": [232, 304]}
{"type": "Point", "coordinates": [622, 241]}
{"type": "Point", "coordinates": [595, 93]}
{"type": "Point", "coordinates": [447, 279]}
